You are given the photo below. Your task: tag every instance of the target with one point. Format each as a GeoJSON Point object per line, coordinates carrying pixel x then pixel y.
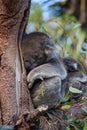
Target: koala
{"type": "Point", "coordinates": [74, 69]}
{"type": "Point", "coordinates": [76, 76]}
{"type": "Point", "coordinates": [36, 48]}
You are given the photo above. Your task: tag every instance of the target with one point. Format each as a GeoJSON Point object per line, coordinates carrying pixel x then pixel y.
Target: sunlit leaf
{"type": "Point", "coordinates": [74, 90]}
{"type": "Point", "coordinates": [65, 107]}
{"type": "Point", "coordinates": [75, 25]}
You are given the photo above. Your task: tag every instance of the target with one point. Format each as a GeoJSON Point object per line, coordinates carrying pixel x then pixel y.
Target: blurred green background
{"type": "Point", "coordinates": [66, 21]}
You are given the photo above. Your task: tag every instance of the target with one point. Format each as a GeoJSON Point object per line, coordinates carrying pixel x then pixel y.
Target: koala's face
{"type": "Point", "coordinates": [74, 69]}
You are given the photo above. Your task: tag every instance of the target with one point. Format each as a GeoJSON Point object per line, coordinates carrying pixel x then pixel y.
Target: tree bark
{"type": "Point", "coordinates": [14, 96]}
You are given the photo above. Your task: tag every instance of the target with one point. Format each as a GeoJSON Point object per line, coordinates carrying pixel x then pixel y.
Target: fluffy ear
{"type": "Point", "coordinates": [72, 64]}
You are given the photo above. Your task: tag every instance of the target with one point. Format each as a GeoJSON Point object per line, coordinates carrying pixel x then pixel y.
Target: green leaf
{"type": "Point", "coordinates": [85, 125]}
{"type": "Point", "coordinates": [68, 128]}
{"type": "Point", "coordinates": [71, 120]}
{"type": "Point", "coordinates": [76, 25]}
{"type": "Point", "coordinates": [74, 90]}
{"type": "Point", "coordinates": [65, 107]}
{"type": "Point", "coordinates": [84, 108]}
{"type": "Point", "coordinates": [41, 86]}
{"type": "Point", "coordinates": [76, 128]}
{"type": "Point", "coordinates": [84, 119]}
{"type": "Point", "coordinates": [66, 98]}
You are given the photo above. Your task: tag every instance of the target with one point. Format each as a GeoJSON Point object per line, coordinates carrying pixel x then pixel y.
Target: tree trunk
{"type": "Point", "coordinates": [14, 96]}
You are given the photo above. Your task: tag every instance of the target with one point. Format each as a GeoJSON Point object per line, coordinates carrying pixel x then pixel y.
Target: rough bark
{"type": "Point", "coordinates": [14, 96]}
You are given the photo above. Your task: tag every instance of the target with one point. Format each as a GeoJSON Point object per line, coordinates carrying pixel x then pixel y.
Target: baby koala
{"type": "Point", "coordinates": [74, 69]}
{"type": "Point", "coordinates": [37, 48]}
{"type": "Point", "coordinates": [76, 76]}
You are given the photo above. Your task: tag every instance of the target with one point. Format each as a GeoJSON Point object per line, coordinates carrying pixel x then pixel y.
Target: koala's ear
{"type": "Point", "coordinates": [71, 64]}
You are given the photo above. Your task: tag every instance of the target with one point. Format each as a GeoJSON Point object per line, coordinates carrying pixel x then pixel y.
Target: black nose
{"type": "Point", "coordinates": [28, 66]}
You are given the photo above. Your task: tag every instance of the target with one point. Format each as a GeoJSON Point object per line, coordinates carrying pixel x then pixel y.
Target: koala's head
{"type": "Point", "coordinates": [74, 69]}
{"type": "Point", "coordinates": [37, 48]}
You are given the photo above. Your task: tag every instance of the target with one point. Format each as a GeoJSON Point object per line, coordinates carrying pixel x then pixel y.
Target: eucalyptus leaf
{"type": "Point", "coordinates": [74, 90]}
{"type": "Point", "coordinates": [84, 108]}
{"type": "Point", "coordinates": [85, 125]}
{"type": "Point", "coordinates": [65, 107]}
{"type": "Point", "coordinates": [76, 25]}
{"type": "Point", "coordinates": [66, 98]}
